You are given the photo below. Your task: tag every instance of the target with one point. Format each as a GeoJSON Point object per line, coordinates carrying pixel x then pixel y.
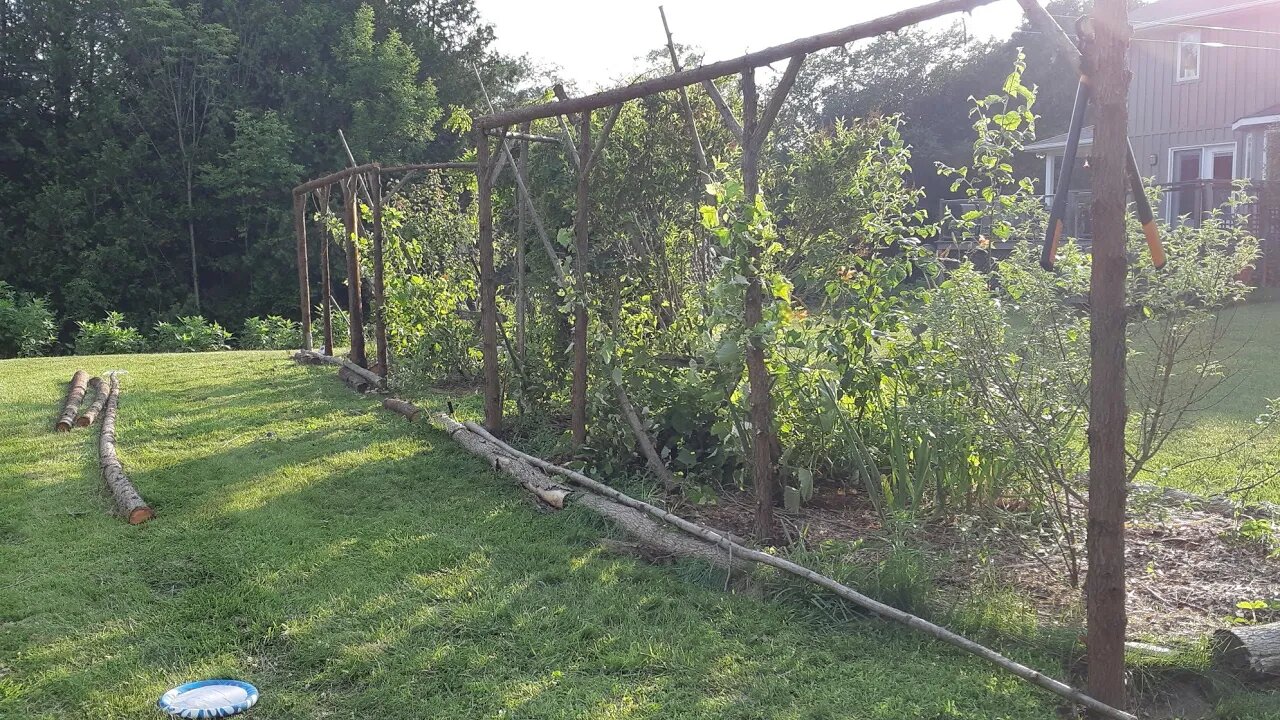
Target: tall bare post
{"type": "Point", "coordinates": [379, 288]}
{"type": "Point", "coordinates": [304, 281]}
{"type": "Point", "coordinates": [522, 170]}
{"type": "Point", "coordinates": [578, 399]}
{"type": "Point", "coordinates": [326, 282]}
{"type": "Point", "coordinates": [355, 303]}
{"type": "Point", "coordinates": [759, 400]}
{"type": "Point", "coordinates": [1107, 70]}
{"type": "Point", "coordinates": [488, 286]}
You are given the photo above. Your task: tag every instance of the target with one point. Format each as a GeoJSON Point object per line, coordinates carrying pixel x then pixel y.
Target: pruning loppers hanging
{"type": "Point", "coordinates": [1053, 233]}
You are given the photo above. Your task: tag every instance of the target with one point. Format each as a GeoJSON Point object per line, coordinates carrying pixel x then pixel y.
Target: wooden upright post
{"type": "Point", "coordinates": [379, 288]}
{"type": "Point", "coordinates": [355, 303]}
{"type": "Point", "coordinates": [488, 286]}
{"type": "Point", "coordinates": [522, 170]}
{"type": "Point", "coordinates": [304, 281]}
{"type": "Point", "coordinates": [578, 398]}
{"type": "Point", "coordinates": [326, 282]}
{"type": "Point", "coordinates": [1107, 71]}
{"type": "Point", "coordinates": [759, 400]}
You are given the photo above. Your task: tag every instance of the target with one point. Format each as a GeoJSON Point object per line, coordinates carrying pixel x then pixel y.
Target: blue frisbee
{"type": "Point", "coordinates": [209, 699]}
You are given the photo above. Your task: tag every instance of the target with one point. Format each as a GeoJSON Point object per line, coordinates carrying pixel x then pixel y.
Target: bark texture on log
{"type": "Point", "coordinates": [352, 380]}
{"type": "Point", "coordinates": [741, 552]}
{"type": "Point", "coordinates": [129, 504]}
{"type": "Point", "coordinates": [99, 400]}
{"type": "Point", "coordinates": [407, 409]}
{"type": "Point", "coordinates": [75, 395]}
{"type": "Point", "coordinates": [1253, 651]}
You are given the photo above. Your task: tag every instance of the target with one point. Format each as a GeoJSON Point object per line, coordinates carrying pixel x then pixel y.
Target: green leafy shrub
{"type": "Point", "coordinates": [270, 333]}
{"type": "Point", "coordinates": [27, 326]}
{"type": "Point", "coordinates": [191, 333]}
{"type": "Point", "coordinates": [110, 336]}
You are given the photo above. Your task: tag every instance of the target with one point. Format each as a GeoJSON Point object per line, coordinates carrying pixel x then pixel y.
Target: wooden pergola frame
{"type": "Point", "coordinates": [347, 179]}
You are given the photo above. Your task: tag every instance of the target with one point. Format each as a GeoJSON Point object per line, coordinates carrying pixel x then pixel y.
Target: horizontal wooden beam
{"type": "Point", "coordinates": [525, 137]}
{"type": "Point", "coordinates": [332, 178]}
{"type": "Point", "coordinates": [693, 76]}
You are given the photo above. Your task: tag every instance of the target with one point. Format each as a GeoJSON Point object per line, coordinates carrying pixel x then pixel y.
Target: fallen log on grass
{"type": "Point", "coordinates": [740, 552]}
{"type": "Point", "coordinates": [311, 357]}
{"type": "Point", "coordinates": [657, 539]}
{"type": "Point", "coordinates": [1251, 650]}
{"type": "Point", "coordinates": [353, 381]}
{"type": "Point", "coordinates": [99, 400]}
{"type": "Point", "coordinates": [407, 409]}
{"type": "Point", "coordinates": [129, 504]}
{"type": "Point", "coordinates": [75, 394]}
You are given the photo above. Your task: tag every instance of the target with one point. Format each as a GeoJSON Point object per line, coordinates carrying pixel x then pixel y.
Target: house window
{"type": "Point", "coordinates": [1189, 56]}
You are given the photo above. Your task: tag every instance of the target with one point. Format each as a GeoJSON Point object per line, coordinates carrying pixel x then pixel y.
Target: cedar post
{"type": "Point", "coordinates": [578, 399]}
{"type": "Point", "coordinates": [326, 295]}
{"type": "Point", "coordinates": [304, 282]}
{"type": "Point", "coordinates": [522, 169]}
{"type": "Point", "coordinates": [759, 400]}
{"type": "Point", "coordinates": [1105, 583]}
{"type": "Point", "coordinates": [355, 304]}
{"type": "Point", "coordinates": [488, 286]}
{"type": "Point", "coordinates": [379, 288]}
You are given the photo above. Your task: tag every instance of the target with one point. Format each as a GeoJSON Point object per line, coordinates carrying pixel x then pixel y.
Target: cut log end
{"type": "Point", "coordinates": [62, 426]}
{"type": "Point", "coordinates": [1252, 651]}
{"type": "Point", "coordinates": [137, 516]}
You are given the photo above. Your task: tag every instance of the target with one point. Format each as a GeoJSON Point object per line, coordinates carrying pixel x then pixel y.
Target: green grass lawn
{"type": "Point", "coordinates": [1253, 376]}
{"type": "Point", "coordinates": [354, 566]}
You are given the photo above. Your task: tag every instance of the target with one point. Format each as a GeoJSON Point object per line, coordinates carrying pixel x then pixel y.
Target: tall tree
{"type": "Point", "coordinates": [178, 64]}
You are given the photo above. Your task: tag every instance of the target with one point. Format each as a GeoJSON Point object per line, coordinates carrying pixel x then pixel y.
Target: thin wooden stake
{"type": "Point", "coordinates": [699, 154]}
{"type": "Point", "coordinates": [326, 302]}
{"type": "Point", "coordinates": [578, 396]}
{"type": "Point", "coordinates": [304, 282]}
{"type": "Point", "coordinates": [488, 286]}
{"type": "Point", "coordinates": [522, 169]}
{"type": "Point", "coordinates": [355, 301]}
{"type": "Point", "coordinates": [379, 280]}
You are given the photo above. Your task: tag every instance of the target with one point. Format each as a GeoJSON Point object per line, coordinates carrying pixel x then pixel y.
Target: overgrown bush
{"type": "Point", "coordinates": [109, 336]}
{"type": "Point", "coordinates": [191, 333]}
{"type": "Point", "coordinates": [270, 333]}
{"type": "Point", "coordinates": [27, 326]}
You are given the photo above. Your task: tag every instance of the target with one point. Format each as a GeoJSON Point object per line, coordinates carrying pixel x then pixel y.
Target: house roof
{"type": "Point", "coordinates": [1266, 116]}
{"type": "Point", "coordinates": [1059, 142]}
{"type": "Point", "coordinates": [1169, 11]}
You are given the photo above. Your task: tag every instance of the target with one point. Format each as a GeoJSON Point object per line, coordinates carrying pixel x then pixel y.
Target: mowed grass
{"type": "Point", "coordinates": [354, 566]}
{"type": "Point", "coordinates": [1252, 344]}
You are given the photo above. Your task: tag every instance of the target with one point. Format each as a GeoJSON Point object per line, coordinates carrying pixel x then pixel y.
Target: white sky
{"type": "Point", "coordinates": [597, 43]}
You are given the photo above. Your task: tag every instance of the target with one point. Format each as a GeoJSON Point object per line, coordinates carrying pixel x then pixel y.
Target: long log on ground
{"type": "Point", "coordinates": [311, 357]}
{"type": "Point", "coordinates": [693, 76]}
{"type": "Point", "coordinates": [740, 552]}
{"type": "Point", "coordinates": [70, 408]}
{"type": "Point", "coordinates": [1250, 650]}
{"type": "Point", "coordinates": [353, 381]}
{"type": "Point", "coordinates": [658, 539]}
{"type": "Point", "coordinates": [99, 400]}
{"type": "Point", "coordinates": [407, 409]}
{"type": "Point", "coordinates": [129, 504]}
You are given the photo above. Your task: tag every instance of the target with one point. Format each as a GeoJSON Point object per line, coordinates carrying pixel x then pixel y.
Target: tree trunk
{"type": "Point", "coordinates": [129, 504]}
{"type": "Point", "coordinates": [75, 394]}
{"type": "Point", "coordinates": [99, 400]}
{"type": "Point", "coordinates": [1105, 582]}
{"type": "Point", "coordinates": [578, 397]}
{"type": "Point", "coordinates": [1253, 651]}
{"type": "Point", "coordinates": [326, 299]}
{"type": "Point", "coordinates": [191, 236]}
{"type": "Point", "coordinates": [379, 286]}
{"type": "Point", "coordinates": [522, 170]}
{"type": "Point", "coordinates": [304, 279]}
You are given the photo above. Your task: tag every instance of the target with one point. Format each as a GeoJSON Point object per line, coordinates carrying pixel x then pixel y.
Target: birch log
{"type": "Point", "coordinates": [75, 394]}
{"type": "Point", "coordinates": [129, 504]}
{"type": "Point", "coordinates": [1250, 650]}
{"type": "Point", "coordinates": [407, 409]}
{"type": "Point", "coordinates": [95, 408]}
